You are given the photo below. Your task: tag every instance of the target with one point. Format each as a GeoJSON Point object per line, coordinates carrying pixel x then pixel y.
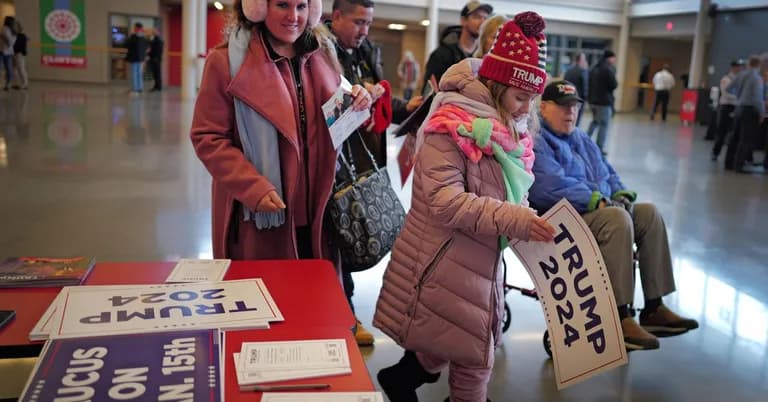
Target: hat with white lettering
{"type": "Point", "coordinates": [518, 55]}
{"type": "Point", "coordinates": [561, 92]}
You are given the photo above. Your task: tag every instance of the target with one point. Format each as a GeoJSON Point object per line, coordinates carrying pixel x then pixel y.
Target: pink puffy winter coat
{"type": "Point", "coordinates": [443, 288]}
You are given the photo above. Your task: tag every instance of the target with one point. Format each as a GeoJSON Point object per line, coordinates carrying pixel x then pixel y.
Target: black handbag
{"type": "Point", "coordinates": [365, 215]}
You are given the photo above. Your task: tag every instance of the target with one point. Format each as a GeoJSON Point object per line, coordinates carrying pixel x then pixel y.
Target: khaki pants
{"type": "Point", "coordinates": [616, 231]}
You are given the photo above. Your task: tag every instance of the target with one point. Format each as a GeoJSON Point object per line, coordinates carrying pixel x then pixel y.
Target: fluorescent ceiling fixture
{"type": "Point", "coordinates": [424, 23]}
{"type": "Point", "coordinates": [218, 5]}
{"type": "Point", "coordinates": [396, 27]}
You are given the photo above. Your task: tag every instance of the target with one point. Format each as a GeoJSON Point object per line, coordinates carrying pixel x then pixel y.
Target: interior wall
{"type": "Point", "coordinates": [6, 8]}
{"type": "Point", "coordinates": [678, 54]}
{"type": "Point", "coordinates": [736, 34]}
{"type": "Point", "coordinates": [96, 33]}
{"type": "Point", "coordinates": [390, 42]}
{"type": "Point", "coordinates": [632, 75]}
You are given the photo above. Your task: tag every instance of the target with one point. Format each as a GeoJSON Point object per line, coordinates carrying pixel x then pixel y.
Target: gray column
{"type": "Point", "coordinates": [433, 9]}
{"type": "Point", "coordinates": [202, 38]}
{"type": "Point", "coordinates": [189, 11]}
{"type": "Point", "coordinates": [621, 50]}
{"type": "Point", "coordinates": [699, 43]}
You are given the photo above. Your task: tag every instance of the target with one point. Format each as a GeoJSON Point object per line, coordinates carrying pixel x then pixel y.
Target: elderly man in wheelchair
{"type": "Point", "coordinates": [569, 165]}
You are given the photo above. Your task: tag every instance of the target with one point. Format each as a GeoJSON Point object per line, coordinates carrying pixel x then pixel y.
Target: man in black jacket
{"type": "Point", "coordinates": [136, 54]}
{"type": "Point", "coordinates": [155, 60]}
{"type": "Point", "coordinates": [361, 61]}
{"type": "Point", "coordinates": [578, 75]}
{"type": "Point", "coordinates": [602, 83]}
{"type": "Point", "coordinates": [457, 42]}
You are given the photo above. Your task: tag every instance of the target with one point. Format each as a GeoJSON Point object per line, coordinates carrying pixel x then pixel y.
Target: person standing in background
{"type": "Point", "coordinates": [663, 82]}
{"type": "Point", "coordinates": [137, 53]}
{"type": "Point", "coordinates": [7, 40]}
{"type": "Point", "coordinates": [749, 89]}
{"type": "Point", "coordinates": [457, 42]}
{"type": "Point", "coordinates": [727, 108]}
{"type": "Point", "coordinates": [408, 72]}
{"type": "Point", "coordinates": [488, 31]}
{"type": "Point", "coordinates": [20, 58]}
{"type": "Point", "coordinates": [360, 61]}
{"type": "Point", "coordinates": [155, 59]}
{"type": "Point", "coordinates": [578, 75]}
{"type": "Point", "coordinates": [602, 83]}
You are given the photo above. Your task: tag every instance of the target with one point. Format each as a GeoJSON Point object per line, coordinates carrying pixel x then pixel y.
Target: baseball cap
{"type": "Point", "coordinates": [738, 63]}
{"type": "Point", "coordinates": [561, 92]}
{"type": "Point", "coordinates": [475, 5]}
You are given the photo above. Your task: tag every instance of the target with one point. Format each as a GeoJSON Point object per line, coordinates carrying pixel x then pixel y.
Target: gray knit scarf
{"type": "Point", "coordinates": [258, 136]}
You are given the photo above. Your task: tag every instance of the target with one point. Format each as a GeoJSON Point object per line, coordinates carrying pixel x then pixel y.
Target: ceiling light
{"type": "Point", "coordinates": [424, 23]}
{"type": "Point", "coordinates": [218, 5]}
{"type": "Point", "coordinates": [396, 27]}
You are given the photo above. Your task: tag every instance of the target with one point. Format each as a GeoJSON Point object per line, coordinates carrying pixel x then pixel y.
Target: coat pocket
{"type": "Point", "coordinates": [425, 275]}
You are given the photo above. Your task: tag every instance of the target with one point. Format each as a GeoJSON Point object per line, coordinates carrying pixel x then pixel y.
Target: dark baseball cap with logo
{"type": "Point", "coordinates": [561, 92]}
{"type": "Point", "coordinates": [475, 5]}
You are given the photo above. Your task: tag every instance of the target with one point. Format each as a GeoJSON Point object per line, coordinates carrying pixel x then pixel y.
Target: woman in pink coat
{"type": "Point", "coordinates": [442, 297]}
{"type": "Point", "coordinates": [259, 129]}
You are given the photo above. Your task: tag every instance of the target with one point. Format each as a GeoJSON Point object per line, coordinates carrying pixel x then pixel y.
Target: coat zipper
{"type": "Point", "coordinates": [430, 267]}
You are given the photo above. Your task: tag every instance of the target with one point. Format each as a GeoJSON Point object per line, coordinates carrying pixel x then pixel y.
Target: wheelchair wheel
{"type": "Point", "coordinates": [507, 319]}
{"type": "Point", "coordinates": [547, 343]}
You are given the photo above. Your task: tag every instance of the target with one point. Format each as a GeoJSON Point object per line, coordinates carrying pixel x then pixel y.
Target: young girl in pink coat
{"type": "Point", "coordinates": [442, 297]}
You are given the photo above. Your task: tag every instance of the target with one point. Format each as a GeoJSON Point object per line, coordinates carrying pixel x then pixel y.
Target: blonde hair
{"type": "Point", "coordinates": [488, 31]}
{"type": "Point", "coordinates": [497, 94]}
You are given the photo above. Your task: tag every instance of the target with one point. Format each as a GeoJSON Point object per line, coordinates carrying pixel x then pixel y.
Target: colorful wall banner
{"type": "Point", "coordinates": [62, 33]}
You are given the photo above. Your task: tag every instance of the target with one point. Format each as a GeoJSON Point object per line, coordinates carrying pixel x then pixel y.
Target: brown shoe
{"type": "Point", "coordinates": [362, 335]}
{"type": "Point", "coordinates": [635, 337]}
{"type": "Point", "coordinates": [665, 322]}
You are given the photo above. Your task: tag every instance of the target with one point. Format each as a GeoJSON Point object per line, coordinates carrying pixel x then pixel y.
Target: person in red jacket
{"type": "Point", "coordinates": [271, 157]}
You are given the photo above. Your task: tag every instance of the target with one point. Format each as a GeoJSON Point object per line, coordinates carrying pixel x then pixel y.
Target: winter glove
{"type": "Point", "coordinates": [624, 202]}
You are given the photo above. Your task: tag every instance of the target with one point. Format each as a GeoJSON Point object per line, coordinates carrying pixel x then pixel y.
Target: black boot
{"type": "Point", "coordinates": [400, 381]}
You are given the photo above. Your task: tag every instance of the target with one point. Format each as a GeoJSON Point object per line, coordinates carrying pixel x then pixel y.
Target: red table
{"type": "Point", "coordinates": [308, 293]}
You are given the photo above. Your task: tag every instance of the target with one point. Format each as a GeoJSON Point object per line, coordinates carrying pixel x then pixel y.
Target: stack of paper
{"type": "Point", "coordinates": [125, 309]}
{"type": "Point", "coordinates": [263, 362]}
{"type": "Point", "coordinates": [322, 397]}
{"type": "Point", "coordinates": [192, 270]}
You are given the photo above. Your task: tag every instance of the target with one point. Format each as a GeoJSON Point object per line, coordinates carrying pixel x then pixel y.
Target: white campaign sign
{"type": "Point", "coordinates": [117, 309]}
{"type": "Point", "coordinates": [576, 296]}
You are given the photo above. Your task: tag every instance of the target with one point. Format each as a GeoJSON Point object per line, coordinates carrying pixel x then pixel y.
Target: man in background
{"type": "Point", "coordinates": [155, 60]}
{"type": "Point", "coordinates": [749, 89]}
{"type": "Point", "coordinates": [578, 75]}
{"type": "Point", "coordinates": [726, 108]}
{"type": "Point", "coordinates": [137, 53]}
{"type": "Point", "coordinates": [361, 60]}
{"type": "Point", "coordinates": [602, 83]}
{"type": "Point", "coordinates": [457, 42]}
{"type": "Point", "coordinates": [663, 82]}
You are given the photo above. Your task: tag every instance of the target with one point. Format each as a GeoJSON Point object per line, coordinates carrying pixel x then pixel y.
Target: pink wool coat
{"type": "Point", "coordinates": [266, 86]}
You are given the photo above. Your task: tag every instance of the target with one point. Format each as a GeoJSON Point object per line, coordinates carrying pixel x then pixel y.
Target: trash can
{"type": "Point", "coordinates": [689, 105]}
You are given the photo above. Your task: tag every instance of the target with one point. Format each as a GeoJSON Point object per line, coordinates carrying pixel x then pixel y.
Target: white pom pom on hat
{"type": "Point", "coordinates": [256, 11]}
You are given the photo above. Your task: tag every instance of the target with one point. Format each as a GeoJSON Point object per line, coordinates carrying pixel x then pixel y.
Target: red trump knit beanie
{"type": "Point", "coordinates": [519, 53]}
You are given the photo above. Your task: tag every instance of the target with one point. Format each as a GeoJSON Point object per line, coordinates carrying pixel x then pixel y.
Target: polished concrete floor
{"type": "Point", "coordinates": [91, 170]}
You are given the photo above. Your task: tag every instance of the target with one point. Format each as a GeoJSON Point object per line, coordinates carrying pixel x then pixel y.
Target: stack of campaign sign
{"type": "Point", "coordinates": [143, 342]}
{"type": "Point", "coordinates": [162, 366]}
{"type": "Point", "coordinates": [125, 309]}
